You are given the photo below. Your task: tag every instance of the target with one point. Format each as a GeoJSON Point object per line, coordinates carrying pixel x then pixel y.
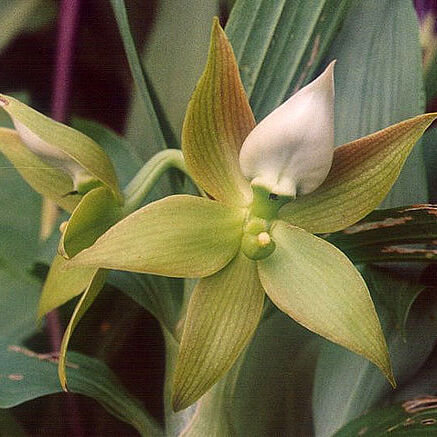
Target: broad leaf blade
{"type": "Point", "coordinates": [379, 82]}
{"type": "Point", "coordinates": [34, 375]}
{"type": "Point", "coordinates": [316, 285]}
{"type": "Point", "coordinates": [279, 45]}
{"type": "Point", "coordinates": [44, 179]}
{"type": "Point", "coordinates": [414, 418]}
{"type": "Point", "coordinates": [223, 313]}
{"type": "Point", "coordinates": [137, 72]}
{"type": "Point", "coordinates": [347, 385]}
{"type": "Point", "coordinates": [217, 121]}
{"type": "Point", "coordinates": [179, 236]}
{"type": "Point", "coordinates": [361, 175]}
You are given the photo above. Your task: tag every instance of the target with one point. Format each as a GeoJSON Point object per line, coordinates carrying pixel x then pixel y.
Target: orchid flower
{"type": "Point", "coordinates": [270, 187]}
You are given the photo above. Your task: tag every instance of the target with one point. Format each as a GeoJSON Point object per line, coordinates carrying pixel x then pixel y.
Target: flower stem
{"type": "Point", "coordinates": [146, 178]}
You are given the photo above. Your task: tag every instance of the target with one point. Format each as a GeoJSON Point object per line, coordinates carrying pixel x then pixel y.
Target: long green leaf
{"type": "Point", "coordinates": [379, 82]}
{"type": "Point", "coordinates": [414, 418]}
{"type": "Point", "coordinates": [137, 72]}
{"type": "Point", "coordinates": [279, 45]}
{"type": "Point", "coordinates": [27, 375]}
{"type": "Point", "coordinates": [347, 385]}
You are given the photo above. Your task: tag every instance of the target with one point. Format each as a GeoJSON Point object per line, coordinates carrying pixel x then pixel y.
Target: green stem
{"type": "Point", "coordinates": [146, 178]}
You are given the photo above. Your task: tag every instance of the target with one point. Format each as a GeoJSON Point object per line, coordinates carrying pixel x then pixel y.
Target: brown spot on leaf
{"type": "Point", "coordinates": [50, 357]}
{"type": "Point", "coordinates": [420, 404]}
{"type": "Point", "coordinates": [429, 421]}
{"type": "Point", "coordinates": [16, 377]}
{"type": "Point", "coordinates": [428, 253]}
{"type": "Point", "coordinates": [363, 431]}
{"type": "Point", "coordinates": [386, 223]}
{"type": "Point", "coordinates": [428, 207]}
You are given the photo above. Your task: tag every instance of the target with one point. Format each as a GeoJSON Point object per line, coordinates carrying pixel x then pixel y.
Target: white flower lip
{"type": "Point", "coordinates": [290, 152]}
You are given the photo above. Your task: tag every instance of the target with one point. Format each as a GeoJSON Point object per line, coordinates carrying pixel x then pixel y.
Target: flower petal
{"type": "Point", "coordinates": [315, 284]}
{"type": "Point", "coordinates": [97, 212]}
{"type": "Point", "coordinates": [44, 179]}
{"type": "Point", "coordinates": [62, 285]}
{"type": "Point", "coordinates": [362, 173]}
{"type": "Point", "coordinates": [217, 121]}
{"type": "Point", "coordinates": [290, 151]}
{"type": "Point", "coordinates": [223, 313]}
{"type": "Point", "coordinates": [93, 289]}
{"type": "Point", "coordinates": [62, 146]}
{"type": "Point", "coordinates": [178, 236]}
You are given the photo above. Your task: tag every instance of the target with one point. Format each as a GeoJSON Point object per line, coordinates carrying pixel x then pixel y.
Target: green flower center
{"type": "Point", "coordinates": [257, 243]}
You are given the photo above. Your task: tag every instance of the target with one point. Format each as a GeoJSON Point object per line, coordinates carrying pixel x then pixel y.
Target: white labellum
{"type": "Point", "coordinates": [290, 152]}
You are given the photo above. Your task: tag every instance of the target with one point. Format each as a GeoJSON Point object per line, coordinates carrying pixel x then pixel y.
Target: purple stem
{"type": "Point", "coordinates": [68, 20]}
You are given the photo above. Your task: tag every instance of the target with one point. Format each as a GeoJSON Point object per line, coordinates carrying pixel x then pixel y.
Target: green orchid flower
{"type": "Point", "coordinates": [270, 188]}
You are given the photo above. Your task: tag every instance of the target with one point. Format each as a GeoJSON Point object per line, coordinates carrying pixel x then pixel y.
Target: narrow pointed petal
{"type": "Point", "coordinates": [93, 289]}
{"type": "Point", "coordinates": [315, 284]}
{"type": "Point", "coordinates": [222, 315]}
{"type": "Point", "coordinates": [362, 174]}
{"type": "Point", "coordinates": [62, 146]}
{"type": "Point", "coordinates": [217, 121]}
{"type": "Point", "coordinates": [43, 178]}
{"type": "Point", "coordinates": [290, 151]}
{"type": "Point", "coordinates": [95, 214]}
{"type": "Point", "coordinates": [178, 236]}
{"type": "Point", "coordinates": [62, 285]}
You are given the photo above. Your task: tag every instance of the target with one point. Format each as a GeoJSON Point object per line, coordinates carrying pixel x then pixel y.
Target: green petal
{"type": "Point", "coordinates": [178, 236]}
{"type": "Point", "coordinates": [222, 315]}
{"type": "Point", "coordinates": [315, 284]}
{"type": "Point", "coordinates": [362, 174]}
{"type": "Point", "coordinates": [62, 285]}
{"type": "Point", "coordinates": [44, 179]}
{"type": "Point", "coordinates": [74, 144]}
{"type": "Point", "coordinates": [96, 213]}
{"type": "Point", "coordinates": [217, 121]}
{"type": "Point", "coordinates": [95, 285]}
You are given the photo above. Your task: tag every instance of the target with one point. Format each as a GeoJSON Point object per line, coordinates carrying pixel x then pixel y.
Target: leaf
{"type": "Point", "coordinates": [88, 297]}
{"type": "Point", "coordinates": [416, 417]}
{"type": "Point", "coordinates": [379, 82]}
{"type": "Point", "coordinates": [44, 179]}
{"type": "Point", "coordinates": [217, 121]}
{"type": "Point", "coordinates": [27, 375]}
{"type": "Point", "coordinates": [316, 285]}
{"type": "Point", "coordinates": [279, 45]}
{"type": "Point", "coordinates": [347, 385]}
{"type": "Point", "coordinates": [119, 9]}
{"type": "Point", "coordinates": [96, 213]}
{"type": "Point", "coordinates": [179, 236]}
{"type": "Point", "coordinates": [272, 390]}
{"type": "Point", "coordinates": [61, 285]}
{"type": "Point", "coordinates": [18, 297]}
{"type": "Point", "coordinates": [223, 313]}
{"type": "Point", "coordinates": [362, 173]}
{"type": "Point", "coordinates": [408, 224]}
{"type": "Point", "coordinates": [62, 141]}
{"type": "Point", "coordinates": [171, 42]}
